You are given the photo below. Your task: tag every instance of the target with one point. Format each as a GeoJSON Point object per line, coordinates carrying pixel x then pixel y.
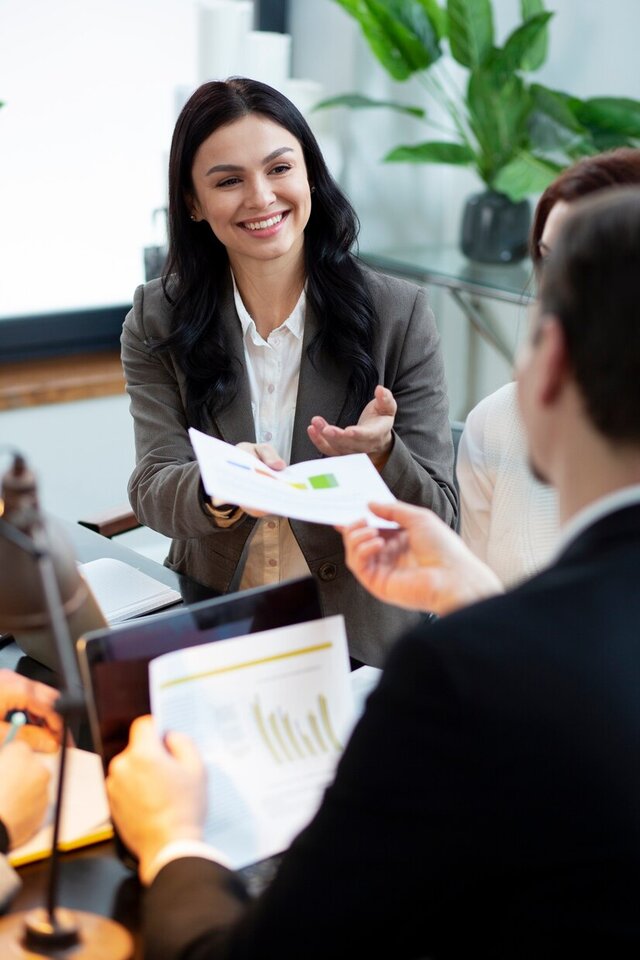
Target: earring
{"type": "Point", "coordinates": [192, 217]}
{"type": "Point", "coordinates": [312, 190]}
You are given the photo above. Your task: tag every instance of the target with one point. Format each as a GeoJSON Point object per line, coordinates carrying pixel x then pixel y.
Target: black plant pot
{"type": "Point", "coordinates": [494, 228]}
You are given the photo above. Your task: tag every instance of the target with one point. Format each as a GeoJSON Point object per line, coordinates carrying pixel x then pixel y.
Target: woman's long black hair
{"type": "Point", "coordinates": [197, 264]}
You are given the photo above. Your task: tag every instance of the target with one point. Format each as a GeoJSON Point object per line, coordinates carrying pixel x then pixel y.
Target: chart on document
{"type": "Point", "coordinates": [270, 713]}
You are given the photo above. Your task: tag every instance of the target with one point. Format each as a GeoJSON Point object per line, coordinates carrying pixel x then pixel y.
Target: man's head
{"type": "Point", "coordinates": [583, 363]}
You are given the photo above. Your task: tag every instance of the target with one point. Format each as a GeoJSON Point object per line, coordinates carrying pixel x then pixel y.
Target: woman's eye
{"type": "Point", "coordinates": [229, 182]}
{"type": "Point", "coordinates": [281, 168]}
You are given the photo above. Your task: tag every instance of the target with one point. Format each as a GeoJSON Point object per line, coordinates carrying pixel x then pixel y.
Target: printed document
{"type": "Point", "coordinates": [270, 713]}
{"type": "Point", "coordinates": [333, 490]}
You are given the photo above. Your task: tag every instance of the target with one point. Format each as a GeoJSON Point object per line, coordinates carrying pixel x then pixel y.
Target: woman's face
{"type": "Point", "coordinates": [554, 221]}
{"type": "Point", "coordinates": [250, 185]}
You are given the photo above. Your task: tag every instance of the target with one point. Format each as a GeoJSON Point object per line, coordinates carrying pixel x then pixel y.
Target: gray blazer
{"type": "Point", "coordinates": [165, 490]}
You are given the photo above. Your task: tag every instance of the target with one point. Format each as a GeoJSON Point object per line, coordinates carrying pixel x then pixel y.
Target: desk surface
{"type": "Point", "coordinates": [448, 267]}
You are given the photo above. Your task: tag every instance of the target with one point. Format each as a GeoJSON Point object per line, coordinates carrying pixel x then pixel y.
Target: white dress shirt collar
{"type": "Point", "coordinates": [602, 507]}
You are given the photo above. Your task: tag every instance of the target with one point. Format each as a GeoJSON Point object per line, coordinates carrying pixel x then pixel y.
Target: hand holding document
{"type": "Point", "coordinates": [270, 714]}
{"type": "Point", "coordinates": [331, 490]}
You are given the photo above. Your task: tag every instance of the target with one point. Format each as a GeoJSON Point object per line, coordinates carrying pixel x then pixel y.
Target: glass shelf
{"type": "Point", "coordinates": [448, 267]}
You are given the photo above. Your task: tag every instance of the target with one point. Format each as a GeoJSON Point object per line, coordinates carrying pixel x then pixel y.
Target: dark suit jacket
{"type": "Point", "coordinates": [488, 803]}
{"type": "Point", "coordinates": [165, 486]}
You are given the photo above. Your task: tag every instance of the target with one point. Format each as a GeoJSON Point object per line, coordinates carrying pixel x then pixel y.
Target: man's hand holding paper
{"type": "Point", "coordinates": [424, 565]}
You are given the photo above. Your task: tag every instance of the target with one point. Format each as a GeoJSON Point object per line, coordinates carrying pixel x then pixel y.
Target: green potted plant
{"type": "Point", "coordinates": [517, 135]}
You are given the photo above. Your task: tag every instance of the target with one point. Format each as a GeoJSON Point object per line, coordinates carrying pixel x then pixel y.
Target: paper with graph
{"type": "Point", "coordinates": [334, 490]}
{"type": "Point", "coordinates": [270, 713]}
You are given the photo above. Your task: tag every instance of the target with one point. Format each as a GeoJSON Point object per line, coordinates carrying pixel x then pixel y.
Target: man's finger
{"type": "Point", "coordinates": [144, 732]}
{"type": "Point", "coordinates": [402, 513]}
{"type": "Point", "coordinates": [183, 749]}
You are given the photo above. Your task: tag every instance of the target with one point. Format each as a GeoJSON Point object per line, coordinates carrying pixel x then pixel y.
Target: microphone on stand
{"type": "Point", "coordinates": [24, 611]}
{"type": "Point", "coordinates": [47, 605]}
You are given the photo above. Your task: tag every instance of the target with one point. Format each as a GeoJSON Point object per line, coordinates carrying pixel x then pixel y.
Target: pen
{"type": "Point", "coordinates": [18, 719]}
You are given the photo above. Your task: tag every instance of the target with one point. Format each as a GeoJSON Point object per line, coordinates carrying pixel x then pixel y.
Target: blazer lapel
{"type": "Point", "coordinates": [235, 422]}
{"type": "Point", "coordinates": [322, 391]}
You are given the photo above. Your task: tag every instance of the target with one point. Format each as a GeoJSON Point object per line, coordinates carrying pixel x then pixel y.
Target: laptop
{"type": "Point", "coordinates": [114, 662]}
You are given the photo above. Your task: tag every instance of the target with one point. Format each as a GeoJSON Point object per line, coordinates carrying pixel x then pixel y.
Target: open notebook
{"type": "Point", "coordinates": [123, 592]}
{"type": "Point", "coordinates": [85, 811]}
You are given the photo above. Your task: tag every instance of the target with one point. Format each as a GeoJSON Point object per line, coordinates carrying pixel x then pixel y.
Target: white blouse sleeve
{"type": "Point", "coordinates": [475, 482]}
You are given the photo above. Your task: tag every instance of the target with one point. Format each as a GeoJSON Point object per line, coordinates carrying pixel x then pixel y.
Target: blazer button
{"type": "Point", "coordinates": [327, 571]}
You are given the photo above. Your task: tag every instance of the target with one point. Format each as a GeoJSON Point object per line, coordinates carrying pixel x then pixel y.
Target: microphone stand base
{"type": "Point", "coordinates": [76, 935]}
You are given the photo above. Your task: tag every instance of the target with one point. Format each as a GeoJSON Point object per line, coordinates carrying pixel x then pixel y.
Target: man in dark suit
{"type": "Point", "coordinates": [488, 803]}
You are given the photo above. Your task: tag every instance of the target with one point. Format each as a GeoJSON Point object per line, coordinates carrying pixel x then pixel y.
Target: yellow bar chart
{"type": "Point", "coordinates": [288, 739]}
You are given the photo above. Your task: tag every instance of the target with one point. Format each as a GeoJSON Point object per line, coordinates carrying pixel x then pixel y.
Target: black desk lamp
{"type": "Point", "coordinates": [46, 604]}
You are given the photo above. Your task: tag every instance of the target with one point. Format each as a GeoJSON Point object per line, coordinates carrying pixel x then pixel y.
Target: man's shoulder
{"type": "Point", "coordinates": [567, 606]}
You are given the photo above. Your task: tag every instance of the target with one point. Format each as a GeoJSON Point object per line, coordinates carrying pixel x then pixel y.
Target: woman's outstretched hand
{"type": "Point", "coordinates": [372, 434]}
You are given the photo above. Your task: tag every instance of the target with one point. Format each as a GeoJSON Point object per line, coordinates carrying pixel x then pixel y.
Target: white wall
{"type": "Point", "coordinates": [89, 88]}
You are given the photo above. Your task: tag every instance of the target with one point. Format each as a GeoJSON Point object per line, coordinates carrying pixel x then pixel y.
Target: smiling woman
{"type": "Point", "coordinates": [250, 185]}
{"type": "Point", "coordinates": [267, 332]}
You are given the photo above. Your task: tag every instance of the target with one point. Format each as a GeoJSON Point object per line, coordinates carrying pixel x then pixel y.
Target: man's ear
{"type": "Point", "coordinates": [553, 359]}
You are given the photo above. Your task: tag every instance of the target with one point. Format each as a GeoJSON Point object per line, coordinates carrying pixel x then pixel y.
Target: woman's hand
{"type": "Point", "coordinates": [423, 565]}
{"type": "Point", "coordinates": [37, 700]}
{"type": "Point", "coordinates": [24, 791]}
{"type": "Point", "coordinates": [372, 434]}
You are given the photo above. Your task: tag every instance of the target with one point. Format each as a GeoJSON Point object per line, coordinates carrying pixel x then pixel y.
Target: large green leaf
{"type": "Point", "coordinates": [556, 142]}
{"type": "Point", "coordinates": [399, 32]}
{"type": "Point", "coordinates": [437, 15]}
{"type": "Point", "coordinates": [358, 101]}
{"type": "Point", "coordinates": [470, 28]}
{"type": "Point", "coordinates": [538, 52]}
{"type": "Point", "coordinates": [609, 141]}
{"type": "Point", "coordinates": [408, 28]}
{"type": "Point", "coordinates": [553, 127]}
{"type": "Point", "coordinates": [498, 111]}
{"type": "Point", "coordinates": [615, 116]}
{"type": "Point", "coordinates": [519, 45]}
{"type": "Point", "coordinates": [524, 175]}
{"type": "Point", "coordinates": [563, 107]}
{"type": "Point", "coordinates": [433, 152]}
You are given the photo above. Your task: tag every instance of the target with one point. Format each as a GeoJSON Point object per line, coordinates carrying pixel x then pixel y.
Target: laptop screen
{"type": "Point", "coordinates": [114, 662]}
